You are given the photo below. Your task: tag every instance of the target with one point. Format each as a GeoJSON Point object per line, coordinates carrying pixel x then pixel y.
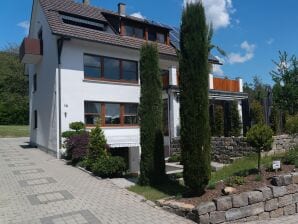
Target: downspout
{"type": "Point", "coordinates": [60, 43]}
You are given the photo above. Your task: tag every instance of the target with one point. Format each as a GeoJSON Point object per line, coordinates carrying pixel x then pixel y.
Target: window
{"type": "Point", "coordinates": [160, 37]}
{"type": "Point", "coordinates": [83, 22]}
{"type": "Point", "coordinates": [111, 68]}
{"type": "Point", "coordinates": [92, 66]}
{"type": "Point", "coordinates": [92, 112]}
{"type": "Point", "coordinates": [129, 70]}
{"type": "Point", "coordinates": [130, 114]}
{"type": "Point", "coordinates": [151, 35]}
{"type": "Point", "coordinates": [133, 31]}
{"type": "Point", "coordinates": [34, 83]}
{"type": "Point", "coordinates": [35, 119]}
{"type": "Point", "coordinates": [112, 113]}
{"type": "Point", "coordinates": [98, 67]}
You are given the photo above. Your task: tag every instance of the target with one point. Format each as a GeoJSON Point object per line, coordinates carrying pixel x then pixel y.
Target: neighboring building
{"type": "Point", "coordinates": [83, 64]}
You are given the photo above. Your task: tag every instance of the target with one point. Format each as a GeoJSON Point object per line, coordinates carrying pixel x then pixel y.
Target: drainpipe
{"type": "Point", "coordinates": [60, 43]}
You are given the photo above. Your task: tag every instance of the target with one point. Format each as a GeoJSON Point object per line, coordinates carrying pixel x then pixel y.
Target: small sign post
{"type": "Point", "coordinates": [276, 165]}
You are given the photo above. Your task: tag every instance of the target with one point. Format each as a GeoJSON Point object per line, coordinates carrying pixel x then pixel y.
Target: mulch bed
{"type": "Point", "coordinates": [249, 185]}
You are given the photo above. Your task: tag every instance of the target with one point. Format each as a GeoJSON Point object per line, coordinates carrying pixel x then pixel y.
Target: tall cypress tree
{"type": "Point", "coordinates": [150, 111]}
{"type": "Point", "coordinates": [194, 70]}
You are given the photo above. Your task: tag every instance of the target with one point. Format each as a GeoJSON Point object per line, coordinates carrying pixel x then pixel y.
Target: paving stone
{"type": "Point", "coordinates": [223, 203]}
{"type": "Point", "coordinates": [285, 200]}
{"type": "Point", "coordinates": [277, 181]}
{"type": "Point", "coordinates": [252, 218]}
{"type": "Point", "coordinates": [271, 205]}
{"type": "Point", "coordinates": [235, 214]}
{"type": "Point", "coordinates": [287, 179]}
{"type": "Point", "coordinates": [295, 198]}
{"type": "Point", "coordinates": [205, 207]}
{"type": "Point", "coordinates": [290, 209]}
{"type": "Point", "coordinates": [256, 209]}
{"type": "Point", "coordinates": [240, 200]}
{"type": "Point", "coordinates": [217, 217]}
{"type": "Point", "coordinates": [255, 197]}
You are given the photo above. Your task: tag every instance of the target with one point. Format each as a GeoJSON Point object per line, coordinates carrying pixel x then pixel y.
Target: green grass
{"type": "Point", "coordinates": [169, 188]}
{"type": "Point", "coordinates": [14, 131]}
{"type": "Point", "coordinates": [243, 167]}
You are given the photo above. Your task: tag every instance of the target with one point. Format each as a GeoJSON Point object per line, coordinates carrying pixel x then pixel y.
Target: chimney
{"type": "Point", "coordinates": [121, 9]}
{"type": "Point", "coordinates": [86, 2]}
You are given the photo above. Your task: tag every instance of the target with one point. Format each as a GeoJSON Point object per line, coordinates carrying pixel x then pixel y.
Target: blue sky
{"type": "Point", "coordinates": [250, 31]}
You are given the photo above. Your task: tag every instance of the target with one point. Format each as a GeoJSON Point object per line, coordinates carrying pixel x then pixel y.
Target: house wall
{"type": "Point", "coordinates": [44, 99]}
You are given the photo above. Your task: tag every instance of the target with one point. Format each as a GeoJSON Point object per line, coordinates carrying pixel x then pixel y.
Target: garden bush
{"type": "Point", "coordinates": [97, 144]}
{"type": "Point", "coordinates": [176, 157]}
{"type": "Point", "coordinates": [291, 158]}
{"type": "Point", "coordinates": [77, 146]}
{"type": "Point", "coordinates": [234, 180]}
{"type": "Point", "coordinates": [77, 128]}
{"type": "Point", "coordinates": [109, 166]}
{"type": "Point", "coordinates": [292, 124]}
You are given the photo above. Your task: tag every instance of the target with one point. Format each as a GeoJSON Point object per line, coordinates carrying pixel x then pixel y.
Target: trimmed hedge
{"type": "Point", "coordinates": [109, 166]}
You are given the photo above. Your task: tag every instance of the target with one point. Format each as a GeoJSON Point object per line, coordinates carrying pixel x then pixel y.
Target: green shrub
{"type": "Point", "coordinates": [176, 157]}
{"type": "Point", "coordinates": [292, 124]}
{"type": "Point", "coordinates": [256, 112]}
{"type": "Point", "coordinates": [260, 137]}
{"type": "Point", "coordinates": [258, 178]}
{"type": "Point", "coordinates": [291, 157]}
{"type": "Point", "coordinates": [234, 180]}
{"type": "Point", "coordinates": [109, 166]}
{"type": "Point", "coordinates": [77, 126]}
{"type": "Point", "coordinates": [211, 185]}
{"type": "Point", "coordinates": [97, 147]}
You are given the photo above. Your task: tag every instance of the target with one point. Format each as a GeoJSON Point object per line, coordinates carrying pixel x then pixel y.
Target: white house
{"type": "Point", "coordinates": [83, 63]}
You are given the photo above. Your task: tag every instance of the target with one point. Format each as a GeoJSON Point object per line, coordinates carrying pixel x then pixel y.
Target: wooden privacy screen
{"type": "Point", "coordinates": [226, 85]}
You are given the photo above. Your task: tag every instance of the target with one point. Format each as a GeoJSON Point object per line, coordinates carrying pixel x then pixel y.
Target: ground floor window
{"type": "Point", "coordinates": [111, 114]}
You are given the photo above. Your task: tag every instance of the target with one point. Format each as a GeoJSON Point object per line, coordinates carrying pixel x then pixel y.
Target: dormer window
{"type": "Point", "coordinates": [134, 31]}
{"type": "Point", "coordinates": [160, 38]}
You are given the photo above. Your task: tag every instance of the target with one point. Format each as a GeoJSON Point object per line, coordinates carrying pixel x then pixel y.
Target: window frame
{"type": "Point", "coordinates": [102, 70]}
{"type": "Point", "coordinates": [103, 114]}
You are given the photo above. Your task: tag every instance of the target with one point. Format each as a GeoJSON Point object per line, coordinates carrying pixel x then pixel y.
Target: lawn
{"type": "Point", "coordinates": [14, 131]}
{"type": "Point", "coordinates": [240, 167]}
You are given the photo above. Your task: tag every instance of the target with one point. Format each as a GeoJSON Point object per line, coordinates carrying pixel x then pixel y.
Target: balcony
{"type": "Point", "coordinates": [31, 51]}
{"type": "Point", "coordinates": [226, 85]}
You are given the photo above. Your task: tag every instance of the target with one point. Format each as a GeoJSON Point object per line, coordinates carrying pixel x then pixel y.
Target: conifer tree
{"type": "Point", "coordinates": [150, 111]}
{"type": "Point", "coordinates": [194, 72]}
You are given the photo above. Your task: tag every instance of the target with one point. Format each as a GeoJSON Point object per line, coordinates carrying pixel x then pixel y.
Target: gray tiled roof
{"type": "Point", "coordinates": [53, 7]}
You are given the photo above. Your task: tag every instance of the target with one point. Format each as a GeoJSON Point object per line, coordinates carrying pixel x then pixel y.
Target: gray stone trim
{"type": "Point", "coordinates": [21, 164]}
{"type": "Point", "coordinates": [35, 199]}
{"type": "Point", "coordinates": [25, 183]}
{"type": "Point", "coordinates": [27, 171]}
{"type": "Point", "coordinates": [88, 216]}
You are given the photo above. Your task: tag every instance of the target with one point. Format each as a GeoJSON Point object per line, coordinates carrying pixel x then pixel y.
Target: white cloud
{"type": "Point", "coordinates": [249, 49]}
{"type": "Point", "coordinates": [138, 15]}
{"type": "Point", "coordinates": [216, 70]}
{"type": "Point", "coordinates": [217, 11]}
{"type": "Point", "coordinates": [270, 41]}
{"type": "Point", "coordinates": [25, 25]}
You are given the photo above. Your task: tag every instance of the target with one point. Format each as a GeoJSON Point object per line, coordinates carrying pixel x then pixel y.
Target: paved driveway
{"type": "Point", "coordinates": [37, 188]}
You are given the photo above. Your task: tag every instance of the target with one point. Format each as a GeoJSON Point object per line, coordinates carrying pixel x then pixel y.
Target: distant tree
{"type": "Point", "coordinates": [14, 102]}
{"type": "Point", "coordinates": [194, 115]}
{"type": "Point", "coordinates": [285, 77]}
{"type": "Point", "coordinates": [256, 112]}
{"type": "Point", "coordinates": [218, 127]}
{"type": "Point", "coordinates": [235, 120]}
{"type": "Point", "coordinates": [260, 137]}
{"type": "Point", "coordinates": [150, 111]}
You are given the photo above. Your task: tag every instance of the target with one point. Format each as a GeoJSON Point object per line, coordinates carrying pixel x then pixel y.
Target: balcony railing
{"type": "Point", "coordinates": [227, 85]}
{"type": "Point", "coordinates": [31, 51]}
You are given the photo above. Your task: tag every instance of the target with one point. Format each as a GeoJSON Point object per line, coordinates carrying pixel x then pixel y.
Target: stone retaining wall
{"type": "Point", "coordinates": [263, 203]}
{"type": "Point", "coordinates": [225, 148]}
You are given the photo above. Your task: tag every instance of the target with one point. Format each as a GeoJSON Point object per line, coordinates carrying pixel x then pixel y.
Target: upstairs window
{"type": "Point", "coordinates": [105, 68]}
{"type": "Point", "coordinates": [151, 35]}
{"type": "Point", "coordinates": [92, 66]}
{"type": "Point", "coordinates": [160, 38]}
{"type": "Point", "coordinates": [134, 31]}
